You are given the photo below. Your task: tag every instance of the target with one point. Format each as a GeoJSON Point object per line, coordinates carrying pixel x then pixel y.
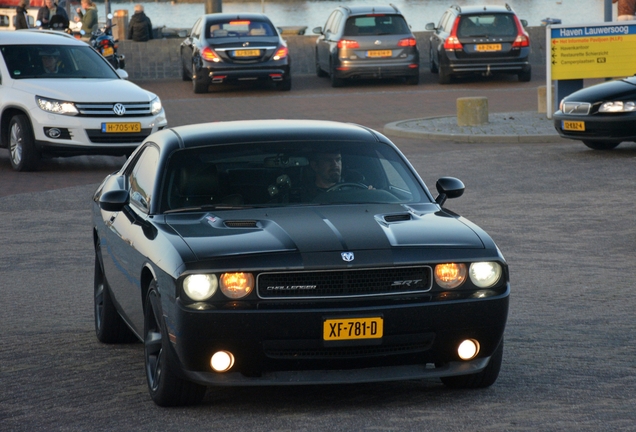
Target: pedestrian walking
{"type": "Point", "coordinates": [140, 27]}
{"type": "Point", "coordinates": [626, 10]}
{"type": "Point", "coordinates": [52, 16]}
{"type": "Point", "coordinates": [21, 19]}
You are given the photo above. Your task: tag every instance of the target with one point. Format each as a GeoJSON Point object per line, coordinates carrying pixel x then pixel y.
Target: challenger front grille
{"type": "Point", "coordinates": [106, 109]}
{"type": "Point", "coordinates": [344, 283]}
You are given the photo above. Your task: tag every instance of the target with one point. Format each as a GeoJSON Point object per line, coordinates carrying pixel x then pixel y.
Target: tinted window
{"type": "Point", "coordinates": [487, 25]}
{"type": "Point", "coordinates": [376, 25]}
{"type": "Point", "coordinates": [239, 28]}
{"type": "Point", "coordinates": [142, 179]}
{"type": "Point", "coordinates": [285, 174]}
{"type": "Point", "coordinates": [30, 61]}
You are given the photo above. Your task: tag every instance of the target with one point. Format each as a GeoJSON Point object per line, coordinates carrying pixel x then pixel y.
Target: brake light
{"type": "Point", "coordinates": [104, 42]}
{"type": "Point", "coordinates": [239, 22]}
{"type": "Point", "coordinates": [408, 42]}
{"type": "Point", "coordinates": [345, 44]}
{"type": "Point", "coordinates": [452, 42]}
{"type": "Point", "coordinates": [281, 53]}
{"type": "Point", "coordinates": [522, 40]}
{"type": "Point", "coordinates": [208, 55]}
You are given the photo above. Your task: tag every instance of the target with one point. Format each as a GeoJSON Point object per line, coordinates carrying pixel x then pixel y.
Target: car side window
{"type": "Point", "coordinates": [329, 21]}
{"type": "Point", "coordinates": [336, 23]}
{"type": "Point", "coordinates": [142, 179]}
{"type": "Point", "coordinates": [196, 29]}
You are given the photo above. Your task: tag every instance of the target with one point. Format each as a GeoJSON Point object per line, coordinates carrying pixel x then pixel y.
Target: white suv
{"type": "Point", "coordinates": [61, 98]}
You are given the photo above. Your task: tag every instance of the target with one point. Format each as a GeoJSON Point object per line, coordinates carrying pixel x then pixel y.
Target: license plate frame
{"type": "Point", "coordinates": [121, 127]}
{"type": "Point", "coordinates": [379, 53]}
{"type": "Point", "coordinates": [352, 329]}
{"type": "Point", "coordinates": [573, 125]}
{"type": "Point", "coordinates": [247, 53]}
{"type": "Point", "coordinates": [488, 47]}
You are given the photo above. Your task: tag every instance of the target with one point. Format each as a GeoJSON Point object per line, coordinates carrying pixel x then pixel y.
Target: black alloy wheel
{"type": "Point", "coordinates": [199, 85]}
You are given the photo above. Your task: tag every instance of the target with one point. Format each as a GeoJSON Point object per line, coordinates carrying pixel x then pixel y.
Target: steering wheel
{"type": "Point", "coordinates": [344, 185]}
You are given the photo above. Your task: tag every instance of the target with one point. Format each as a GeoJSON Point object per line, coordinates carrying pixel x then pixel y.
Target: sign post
{"type": "Point", "coordinates": [587, 51]}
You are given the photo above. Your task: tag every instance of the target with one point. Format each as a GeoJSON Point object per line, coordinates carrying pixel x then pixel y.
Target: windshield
{"type": "Point", "coordinates": [239, 28]}
{"type": "Point", "coordinates": [287, 174]}
{"type": "Point", "coordinates": [55, 61]}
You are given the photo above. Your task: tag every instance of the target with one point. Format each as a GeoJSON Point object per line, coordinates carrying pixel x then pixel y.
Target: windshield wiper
{"type": "Point", "coordinates": [208, 208]}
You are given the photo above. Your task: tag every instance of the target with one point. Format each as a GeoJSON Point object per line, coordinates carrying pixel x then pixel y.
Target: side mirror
{"type": "Point", "coordinates": [430, 26]}
{"type": "Point", "coordinates": [114, 200]}
{"type": "Point", "coordinates": [448, 187]}
{"type": "Point", "coordinates": [122, 73]}
{"type": "Point", "coordinates": [524, 23]}
{"type": "Point", "coordinates": [317, 30]}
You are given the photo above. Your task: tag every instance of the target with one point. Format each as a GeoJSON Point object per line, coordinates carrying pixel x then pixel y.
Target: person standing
{"type": "Point", "coordinates": [21, 20]}
{"type": "Point", "coordinates": [140, 27]}
{"type": "Point", "coordinates": [47, 14]}
{"type": "Point", "coordinates": [88, 18]}
{"type": "Point", "coordinates": [626, 10]}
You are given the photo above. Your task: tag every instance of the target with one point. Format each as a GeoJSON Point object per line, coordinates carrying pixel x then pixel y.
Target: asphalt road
{"type": "Point", "coordinates": [563, 216]}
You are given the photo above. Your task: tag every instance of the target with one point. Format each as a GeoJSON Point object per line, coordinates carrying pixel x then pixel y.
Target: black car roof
{"type": "Point", "coordinates": [268, 130]}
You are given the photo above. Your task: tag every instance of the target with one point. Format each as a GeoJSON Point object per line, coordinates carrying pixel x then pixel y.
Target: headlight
{"type": "Point", "coordinates": [237, 285]}
{"type": "Point", "coordinates": [485, 274]}
{"type": "Point", "coordinates": [155, 106]}
{"type": "Point", "coordinates": [612, 107]}
{"type": "Point", "coordinates": [55, 106]}
{"type": "Point", "coordinates": [200, 287]}
{"type": "Point", "coordinates": [450, 275]}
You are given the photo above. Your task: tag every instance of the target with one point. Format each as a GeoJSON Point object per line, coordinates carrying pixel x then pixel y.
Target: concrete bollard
{"type": "Point", "coordinates": [472, 111]}
{"type": "Point", "coordinates": [542, 99]}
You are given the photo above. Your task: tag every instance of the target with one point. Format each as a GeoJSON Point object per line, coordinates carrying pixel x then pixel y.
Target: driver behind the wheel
{"type": "Point", "coordinates": [327, 175]}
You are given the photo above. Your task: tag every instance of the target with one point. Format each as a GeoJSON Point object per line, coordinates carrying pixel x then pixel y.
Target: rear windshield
{"type": "Point", "coordinates": [376, 25]}
{"type": "Point", "coordinates": [487, 25]}
{"type": "Point", "coordinates": [239, 28]}
{"type": "Point", "coordinates": [55, 61]}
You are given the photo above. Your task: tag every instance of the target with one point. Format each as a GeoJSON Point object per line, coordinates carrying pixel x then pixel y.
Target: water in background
{"type": "Point", "coordinates": [314, 13]}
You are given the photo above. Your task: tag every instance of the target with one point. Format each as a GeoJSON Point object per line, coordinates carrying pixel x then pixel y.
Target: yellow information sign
{"type": "Point", "coordinates": [599, 51]}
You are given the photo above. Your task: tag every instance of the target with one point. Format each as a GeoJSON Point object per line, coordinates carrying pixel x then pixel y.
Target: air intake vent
{"type": "Point", "coordinates": [397, 218]}
{"type": "Point", "coordinates": [241, 224]}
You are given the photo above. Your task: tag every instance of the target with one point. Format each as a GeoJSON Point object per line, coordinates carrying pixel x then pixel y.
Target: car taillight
{"type": "Point", "coordinates": [281, 53]}
{"type": "Point", "coordinates": [208, 55]}
{"type": "Point", "coordinates": [452, 42]}
{"type": "Point", "coordinates": [408, 42]}
{"type": "Point", "coordinates": [522, 40]}
{"type": "Point", "coordinates": [344, 43]}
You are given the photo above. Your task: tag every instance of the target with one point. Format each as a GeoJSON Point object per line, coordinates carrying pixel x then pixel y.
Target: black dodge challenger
{"type": "Point", "coordinates": [292, 252]}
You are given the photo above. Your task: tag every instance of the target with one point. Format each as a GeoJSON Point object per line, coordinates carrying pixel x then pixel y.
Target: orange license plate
{"type": "Point", "coordinates": [352, 328]}
{"type": "Point", "coordinates": [379, 53]}
{"type": "Point", "coordinates": [573, 125]}
{"type": "Point", "coordinates": [488, 47]}
{"type": "Point", "coordinates": [108, 51]}
{"type": "Point", "coordinates": [121, 127]}
{"type": "Point", "coordinates": [247, 53]}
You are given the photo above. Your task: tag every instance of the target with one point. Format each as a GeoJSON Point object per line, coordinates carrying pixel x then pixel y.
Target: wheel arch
{"type": "Point", "coordinates": [6, 117]}
{"type": "Point", "coordinates": [147, 276]}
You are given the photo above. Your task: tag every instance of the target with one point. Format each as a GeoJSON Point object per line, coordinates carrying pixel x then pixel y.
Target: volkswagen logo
{"type": "Point", "coordinates": [246, 44]}
{"type": "Point", "coordinates": [119, 109]}
{"type": "Point", "coordinates": [347, 256]}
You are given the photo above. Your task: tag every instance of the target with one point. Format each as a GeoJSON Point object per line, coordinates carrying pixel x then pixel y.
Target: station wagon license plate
{"type": "Point", "coordinates": [488, 47]}
{"type": "Point", "coordinates": [379, 53]}
{"type": "Point", "coordinates": [353, 328]}
{"type": "Point", "coordinates": [247, 53]}
{"type": "Point", "coordinates": [573, 125]}
{"type": "Point", "coordinates": [132, 127]}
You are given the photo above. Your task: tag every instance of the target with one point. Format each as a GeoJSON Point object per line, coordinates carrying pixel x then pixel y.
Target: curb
{"type": "Point", "coordinates": [401, 129]}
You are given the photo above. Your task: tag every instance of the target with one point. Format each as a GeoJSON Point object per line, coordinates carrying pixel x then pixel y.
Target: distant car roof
{"type": "Point", "coordinates": [38, 37]}
{"type": "Point", "coordinates": [484, 8]}
{"type": "Point", "coordinates": [357, 10]}
{"type": "Point", "coordinates": [234, 16]}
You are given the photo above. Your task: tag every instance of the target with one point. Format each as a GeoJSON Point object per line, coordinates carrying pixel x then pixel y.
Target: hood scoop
{"type": "Point", "coordinates": [241, 224]}
{"type": "Point", "coordinates": [397, 217]}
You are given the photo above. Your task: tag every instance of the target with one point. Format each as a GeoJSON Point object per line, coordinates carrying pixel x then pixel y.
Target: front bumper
{"type": "Point", "coordinates": [280, 345]}
{"type": "Point", "coordinates": [604, 128]}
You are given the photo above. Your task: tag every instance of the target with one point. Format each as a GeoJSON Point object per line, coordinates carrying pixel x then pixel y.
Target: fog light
{"type": "Point", "coordinates": [468, 349]}
{"type": "Point", "coordinates": [222, 361]}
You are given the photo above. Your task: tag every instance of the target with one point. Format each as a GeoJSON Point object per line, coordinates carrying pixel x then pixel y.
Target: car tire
{"type": "Point", "coordinates": [285, 84]}
{"type": "Point", "coordinates": [199, 86]}
{"type": "Point", "coordinates": [601, 145]}
{"type": "Point", "coordinates": [485, 378]}
{"type": "Point", "coordinates": [319, 72]}
{"type": "Point", "coordinates": [525, 76]}
{"type": "Point", "coordinates": [335, 81]}
{"type": "Point", "coordinates": [109, 325]}
{"type": "Point", "coordinates": [444, 76]}
{"type": "Point", "coordinates": [185, 75]}
{"type": "Point", "coordinates": [413, 80]}
{"type": "Point", "coordinates": [433, 66]}
{"type": "Point", "coordinates": [23, 153]}
{"type": "Point", "coordinates": [165, 386]}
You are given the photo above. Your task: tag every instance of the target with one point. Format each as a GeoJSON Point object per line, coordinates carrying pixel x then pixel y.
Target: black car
{"type": "Point", "coordinates": [479, 39]}
{"type": "Point", "coordinates": [602, 116]}
{"type": "Point", "coordinates": [292, 252]}
{"type": "Point", "coordinates": [233, 48]}
{"type": "Point", "coordinates": [362, 42]}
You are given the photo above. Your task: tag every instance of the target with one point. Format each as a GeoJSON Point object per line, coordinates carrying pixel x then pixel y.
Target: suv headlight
{"type": "Point", "coordinates": [56, 106]}
{"type": "Point", "coordinates": [155, 106]}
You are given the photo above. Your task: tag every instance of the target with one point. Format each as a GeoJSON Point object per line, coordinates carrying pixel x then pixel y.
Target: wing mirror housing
{"type": "Point", "coordinates": [430, 26]}
{"type": "Point", "coordinates": [448, 187]}
{"type": "Point", "coordinates": [114, 200]}
{"type": "Point", "coordinates": [317, 30]}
